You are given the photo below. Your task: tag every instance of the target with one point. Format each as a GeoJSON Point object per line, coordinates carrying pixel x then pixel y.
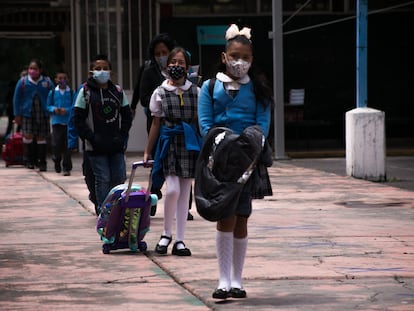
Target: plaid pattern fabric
{"type": "Point", "coordinates": [38, 124]}
{"type": "Point", "coordinates": [260, 183]}
{"type": "Point", "coordinates": [179, 161]}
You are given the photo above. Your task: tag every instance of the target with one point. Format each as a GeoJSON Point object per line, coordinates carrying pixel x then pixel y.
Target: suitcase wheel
{"type": "Point", "coordinates": [142, 246]}
{"type": "Point", "coordinates": [106, 248]}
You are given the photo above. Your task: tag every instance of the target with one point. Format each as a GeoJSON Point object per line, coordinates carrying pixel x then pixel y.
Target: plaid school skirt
{"type": "Point", "coordinates": [259, 182]}
{"type": "Point", "coordinates": [38, 124]}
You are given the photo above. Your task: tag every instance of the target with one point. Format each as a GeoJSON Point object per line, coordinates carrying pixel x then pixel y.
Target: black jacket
{"type": "Point", "coordinates": [151, 78]}
{"type": "Point", "coordinates": [105, 123]}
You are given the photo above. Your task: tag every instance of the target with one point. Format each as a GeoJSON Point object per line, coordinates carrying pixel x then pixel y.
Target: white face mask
{"type": "Point", "coordinates": [162, 61]}
{"type": "Point", "coordinates": [237, 68]}
{"type": "Point", "coordinates": [101, 76]}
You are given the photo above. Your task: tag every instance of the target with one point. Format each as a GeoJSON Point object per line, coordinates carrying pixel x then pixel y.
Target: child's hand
{"type": "Point", "coordinates": [18, 120]}
{"type": "Point", "coordinates": [147, 160]}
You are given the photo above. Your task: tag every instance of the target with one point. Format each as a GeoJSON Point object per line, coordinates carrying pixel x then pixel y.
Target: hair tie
{"type": "Point", "coordinates": [234, 31]}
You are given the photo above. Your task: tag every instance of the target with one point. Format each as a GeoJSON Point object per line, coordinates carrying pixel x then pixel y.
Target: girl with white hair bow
{"type": "Point", "coordinates": [239, 99]}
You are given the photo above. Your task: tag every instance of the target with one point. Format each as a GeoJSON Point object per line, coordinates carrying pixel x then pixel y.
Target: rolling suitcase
{"type": "Point", "coordinates": [125, 216]}
{"type": "Point", "coordinates": [12, 149]}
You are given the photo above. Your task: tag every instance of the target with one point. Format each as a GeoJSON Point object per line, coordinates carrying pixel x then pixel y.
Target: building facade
{"type": "Point", "coordinates": [318, 43]}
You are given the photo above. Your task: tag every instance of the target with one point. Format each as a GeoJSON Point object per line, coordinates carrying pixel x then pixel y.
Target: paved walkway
{"type": "Point", "coordinates": [322, 242]}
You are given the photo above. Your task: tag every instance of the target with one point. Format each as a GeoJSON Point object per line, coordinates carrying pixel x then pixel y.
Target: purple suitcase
{"type": "Point", "coordinates": [125, 216]}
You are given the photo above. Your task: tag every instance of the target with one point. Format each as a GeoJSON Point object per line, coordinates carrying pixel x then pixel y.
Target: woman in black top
{"type": "Point", "coordinates": [153, 73]}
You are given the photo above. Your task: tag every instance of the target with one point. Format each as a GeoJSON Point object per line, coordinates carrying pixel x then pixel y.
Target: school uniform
{"type": "Point", "coordinates": [59, 98]}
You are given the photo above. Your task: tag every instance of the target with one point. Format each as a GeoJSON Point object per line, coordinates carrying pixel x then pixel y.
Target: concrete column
{"type": "Point", "coordinates": [138, 132]}
{"type": "Point", "coordinates": [365, 144]}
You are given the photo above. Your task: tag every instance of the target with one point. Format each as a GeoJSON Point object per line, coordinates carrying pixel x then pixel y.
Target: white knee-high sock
{"type": "Point", "coordinates": [170, 205]}
{"type": "Point", "coordinates": [239, 254]}
{"type": "Point", "coordinates": [224, 245]}
{"type": "Point", "coordinates": [182, 209]}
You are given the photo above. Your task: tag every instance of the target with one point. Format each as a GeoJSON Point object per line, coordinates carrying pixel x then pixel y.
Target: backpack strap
{"type": "Point", "coordinates": [119, 89]}
{"type": "Point", "coordinates": [22, 84]}
{"type": "Point", "coordinates": [87, 97]}
{"type": "Point", "coordinates": [211, 87]}
{"type": "Point", "coordinates": [86, 93]}
{"type": "Point", "coordinates": [49, 82]}
{"type": "Point", "coordinates": [53, 96]}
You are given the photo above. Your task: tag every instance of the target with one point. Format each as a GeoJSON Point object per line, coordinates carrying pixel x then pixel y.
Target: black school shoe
{"type": "Point", "coordinates": [221, 293]}
{"type": "Point", "coordinates": [162, 249]}
{"type": "Point", "coordinates": [237, 292]}
{"type": "Point", "coordinates": [180, 252]}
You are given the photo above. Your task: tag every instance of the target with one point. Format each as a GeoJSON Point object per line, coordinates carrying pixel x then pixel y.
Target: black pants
{"type": "Point", "coordinates": [60, 146]}
{"type": "Point", "coordinates": [89, 177]}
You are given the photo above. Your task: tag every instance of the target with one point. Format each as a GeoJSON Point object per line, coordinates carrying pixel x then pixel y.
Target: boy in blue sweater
{"type": "Point", "coordinates": [59, 104]}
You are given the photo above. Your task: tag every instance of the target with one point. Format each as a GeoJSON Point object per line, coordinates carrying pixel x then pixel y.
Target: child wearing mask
{"type": "Point", "coordinates": [173, 107]}
{"type": "Point", "coordinates": [102, 118]}
{"type": "Point", "coordinates": [239, 100]}
{"type": "Point", "coordinates": [59, 103]}
{"type": "Point", "coordinates": [31, 113]}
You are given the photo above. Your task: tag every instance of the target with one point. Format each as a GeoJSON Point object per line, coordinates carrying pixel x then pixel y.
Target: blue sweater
{"type": "Point", "coordinates": [234, 113]}
{"type": "Point", "coordinates": [25, 91]}
{"type": "Point", "coordinates": [73, 136]}
{"type": "Point", "coordinates": [57, 100]}
{"type": "Point", "coordinates": [192, 143]}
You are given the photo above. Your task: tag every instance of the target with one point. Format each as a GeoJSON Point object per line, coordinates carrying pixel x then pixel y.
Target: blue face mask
{"type": "Point", "coordinates": [101, 76]}
{"type": "Point", "coordinates": [63, 83]}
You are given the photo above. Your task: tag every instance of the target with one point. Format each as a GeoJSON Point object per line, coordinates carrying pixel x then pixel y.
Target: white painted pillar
{"type": "Point", "coordinates": [138, 132]}
{"type": "Point", "coordinates": [277, 43]}
{"type": "Point", "coordinates": [365, 144]}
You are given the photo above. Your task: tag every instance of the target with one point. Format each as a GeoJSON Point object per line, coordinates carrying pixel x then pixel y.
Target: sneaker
{"type": "Point", "coordinates": [190, 216]}
{"type": "Point", "coordinates": [66, 173]}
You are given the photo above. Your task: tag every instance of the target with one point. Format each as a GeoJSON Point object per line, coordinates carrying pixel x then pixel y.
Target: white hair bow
{"type": "Point", "coordinates": [234, 31]}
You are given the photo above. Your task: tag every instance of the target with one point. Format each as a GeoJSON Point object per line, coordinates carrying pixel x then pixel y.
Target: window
{"type": "Point", "coordinates": [208, 7]}
{"type": "Point", "coordinates": [106, 28]}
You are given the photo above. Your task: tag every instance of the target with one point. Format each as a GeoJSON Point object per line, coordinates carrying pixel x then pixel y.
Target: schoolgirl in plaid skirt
{"type": "Point", "coordinates": [174, 133]}
{"type": "Point", "coordinates": [30, 112]}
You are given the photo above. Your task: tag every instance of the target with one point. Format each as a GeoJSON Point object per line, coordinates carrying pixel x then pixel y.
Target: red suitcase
{"type": "Point", "coordinates": [12, 149]}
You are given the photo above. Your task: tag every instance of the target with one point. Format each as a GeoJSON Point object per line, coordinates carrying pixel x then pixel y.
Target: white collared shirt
{"type": "Point", "coordinates": [229, 83]}
{"type": "Point", "coordinates": [155, 101]}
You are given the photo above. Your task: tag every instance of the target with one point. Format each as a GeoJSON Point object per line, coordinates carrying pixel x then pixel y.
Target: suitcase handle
{"type": "Point", "coordinates": [149, 163]}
